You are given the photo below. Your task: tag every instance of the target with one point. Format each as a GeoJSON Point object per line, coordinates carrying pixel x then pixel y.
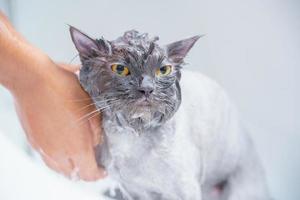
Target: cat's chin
{"type": "Point", "coordinates": [142, 111]}
{"type": "Point", "coordinates": [143, 102]}
{"type": "Point", "coordinates": [139, 118]}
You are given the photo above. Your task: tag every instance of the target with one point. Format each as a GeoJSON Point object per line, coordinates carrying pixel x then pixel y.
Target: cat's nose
{"type": "Point", "coordinates": [146, 86]}
{"type": "Point", "coordinates": [146, 91]}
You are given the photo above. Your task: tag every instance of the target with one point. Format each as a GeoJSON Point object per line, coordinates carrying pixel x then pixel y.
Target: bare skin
{"type": "Point", "coordinates": [51, 105]}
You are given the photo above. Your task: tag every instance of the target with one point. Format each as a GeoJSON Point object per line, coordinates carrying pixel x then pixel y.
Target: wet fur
{"type": "Point", "coordinates": [191, 147]}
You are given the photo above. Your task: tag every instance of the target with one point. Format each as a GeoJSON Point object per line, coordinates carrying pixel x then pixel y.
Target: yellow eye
{"type": "Point", "coordinates": [164, 70]}
{"type": "Point", "coordinates": [120, 69]}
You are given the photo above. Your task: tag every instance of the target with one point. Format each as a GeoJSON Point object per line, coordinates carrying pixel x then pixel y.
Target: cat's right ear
{"type": "Point", "coordinates": [86, 46]}
{"type": "Point", "coordinates": [178, 50]}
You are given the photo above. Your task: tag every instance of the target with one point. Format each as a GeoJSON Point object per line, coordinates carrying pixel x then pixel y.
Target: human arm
{"type": "Point", "coordinates": [50, 101]}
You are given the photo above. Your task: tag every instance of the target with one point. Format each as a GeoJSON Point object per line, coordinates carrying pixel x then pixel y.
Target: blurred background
{"type": "Point", "coordinates": [251, 47]}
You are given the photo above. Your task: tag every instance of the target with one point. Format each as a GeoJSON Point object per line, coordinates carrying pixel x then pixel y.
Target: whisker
{"type": "Point", "coordinates": [84, 99]}
{"type": "Point", "coordinates": [87, 115]}
{"type": "Point", "coordinates": [74, 58]}
{"type": "Point", "coordinates": [94, 115]}
{"type": "Point", "coordinates": [94, 103]}
{"type": "Point", "coordinates": [80, 100]}
{"type": "Point", "coordinates": [86, 106]}
{"type": "Point", "coordinates": [96, 110]}
{"type": "Point", "coordinates": [105, 107]}
{"type": "Point", "coordinates": [90, 99]}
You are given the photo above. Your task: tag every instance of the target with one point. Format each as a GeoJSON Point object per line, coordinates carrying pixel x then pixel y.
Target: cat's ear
{"type": "Point", "coordinates": [86, 46]}
{"type": "Point", "coordinates": [177, 51]}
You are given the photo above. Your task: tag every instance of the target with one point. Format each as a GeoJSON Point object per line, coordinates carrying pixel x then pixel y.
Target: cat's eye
{"type": "Point", "coordinates": [164, 70]}
{"type": "Point", "coordinates": [120, 69]}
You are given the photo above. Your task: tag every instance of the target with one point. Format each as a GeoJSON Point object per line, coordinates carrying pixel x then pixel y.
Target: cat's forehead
{"type": "Point", "coordinates": [137, 44]}
{"type": "Point", "coordinates": [135, 38]}
{"type": "Point", "coordinates": [131, 45]}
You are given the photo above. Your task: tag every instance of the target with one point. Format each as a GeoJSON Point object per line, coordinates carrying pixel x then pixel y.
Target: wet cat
{"type": "Point", "coordinates": [166, 135]}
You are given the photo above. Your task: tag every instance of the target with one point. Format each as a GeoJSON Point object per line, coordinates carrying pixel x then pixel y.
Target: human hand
{"type": "Point", "coordinates": [58, 117]}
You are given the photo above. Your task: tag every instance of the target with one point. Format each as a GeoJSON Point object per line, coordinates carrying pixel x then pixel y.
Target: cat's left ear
{"type": "Point", "coordinates": [177, 51]}
{"type": "Point", "coordinates": [86, 46]}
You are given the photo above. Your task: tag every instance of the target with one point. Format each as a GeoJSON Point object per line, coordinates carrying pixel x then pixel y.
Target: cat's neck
{"type": "Point", "coordinates": [139, 125]}
{"type": "Point", "coordinates": [122, 142]}
{"type": "Point", "coordinates": [115, 124]}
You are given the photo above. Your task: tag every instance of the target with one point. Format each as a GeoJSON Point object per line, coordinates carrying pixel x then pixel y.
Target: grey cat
{"type": "Point", "coordinates": [164, 139]}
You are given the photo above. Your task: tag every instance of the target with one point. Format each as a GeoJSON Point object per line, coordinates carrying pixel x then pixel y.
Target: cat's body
{"type": "Point", "coordinates": [201, 147]}
{"type": "Point", "coordinates": [164, 140]}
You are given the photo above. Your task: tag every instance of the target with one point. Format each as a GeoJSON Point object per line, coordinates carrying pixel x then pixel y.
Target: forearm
{"type": "Point", "coordinates": [18, 69]}
{"type": "Point", "coordinates": [19, 61]}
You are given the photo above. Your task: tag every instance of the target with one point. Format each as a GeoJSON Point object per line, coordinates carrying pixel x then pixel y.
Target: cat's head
{"type": "Point", "coordinates": [132, 77]}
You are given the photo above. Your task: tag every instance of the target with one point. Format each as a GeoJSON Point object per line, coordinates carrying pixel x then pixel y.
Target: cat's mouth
{"type": "Point", "coordinates": [143, 102]}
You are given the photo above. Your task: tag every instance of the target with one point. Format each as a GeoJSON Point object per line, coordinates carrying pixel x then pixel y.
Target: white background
{"type": "Point", "coordinates": [252, 48]}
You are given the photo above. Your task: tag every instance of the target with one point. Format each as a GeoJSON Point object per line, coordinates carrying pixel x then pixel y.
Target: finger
{"type": "Point", "coordinates": [69, 67]}
{"type": "Point", "coordinates": [61, 166]}
{"type": "Point", "coordinates": [96, 129]}
{"type": "Point", "coordinates": [88, 169]}
{"type": "Point", "coordinates": [91, 172]}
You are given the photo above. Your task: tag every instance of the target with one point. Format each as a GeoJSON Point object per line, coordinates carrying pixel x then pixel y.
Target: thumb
{"type": "Point", "coordinates": [96, 129]}
{"type": "Point", "coordinates": [69, 67]}
{"type": "Point", "coordinates": [87, 169]}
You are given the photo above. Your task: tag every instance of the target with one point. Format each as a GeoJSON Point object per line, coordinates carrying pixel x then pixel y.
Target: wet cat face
{"type": "Point", "coordinates": [132, 77]}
